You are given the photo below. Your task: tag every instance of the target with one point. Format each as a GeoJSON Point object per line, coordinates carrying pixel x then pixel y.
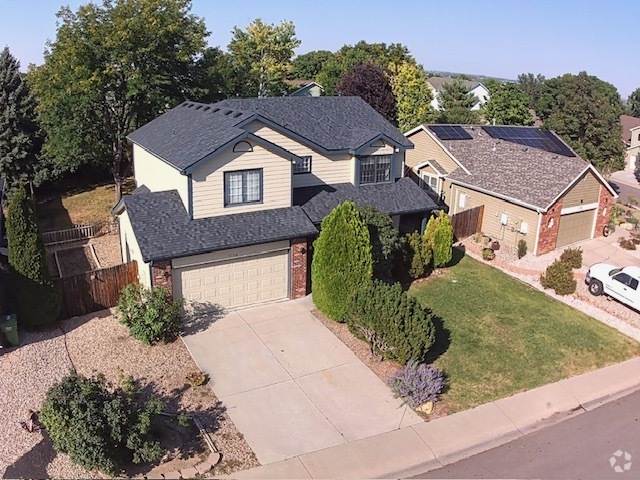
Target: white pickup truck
{"type": "Point", "coordinates": [619, 283]}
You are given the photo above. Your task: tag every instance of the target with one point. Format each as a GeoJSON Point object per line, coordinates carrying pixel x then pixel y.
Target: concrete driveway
{"type": "Point", "coordinates": [290, 385]}
{"type": "Point", "coordinates": [608, 250]}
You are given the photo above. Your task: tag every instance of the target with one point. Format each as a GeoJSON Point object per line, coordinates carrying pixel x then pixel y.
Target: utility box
{"type": "Point", "coordinates": [9, 328]}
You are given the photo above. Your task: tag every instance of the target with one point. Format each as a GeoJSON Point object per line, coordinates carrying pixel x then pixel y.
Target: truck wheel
{"type": "Point", "coordinates": [595, 288]}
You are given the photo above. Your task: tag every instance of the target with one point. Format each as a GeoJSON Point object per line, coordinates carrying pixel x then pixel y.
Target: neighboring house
{"type": "Point", "coordinates": [437, 84]}
{"type": "Point", "coordinates": [304, 88]}
{"type": "Point", "coordinates": [532, 185]}
{"type": "Point", "coordinates": [230, 195]}
{"type": "Point", "coordinates": [631, 138]}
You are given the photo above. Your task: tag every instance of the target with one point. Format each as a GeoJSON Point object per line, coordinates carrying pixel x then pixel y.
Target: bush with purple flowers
{"type": "Point", "coordinates": [417, 383]}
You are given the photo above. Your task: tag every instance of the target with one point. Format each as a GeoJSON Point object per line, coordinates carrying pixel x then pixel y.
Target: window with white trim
{"type": "Point", "coordinates": [429, 182]}
{"type": "Point", "coordinates": [375, 169]}
{"type": "Point", "coordinates": [302, 167]}
{"type": "Point", "coordinates": [243, 187]}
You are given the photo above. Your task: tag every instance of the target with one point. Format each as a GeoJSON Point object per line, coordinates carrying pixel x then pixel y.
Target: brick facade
{"type": "Point", "coordinates": [161, 274]}
{"type": "Point", "coordinates": [299, 267]}
{"type": "Point", "coordinates": [549, 228]}
{"type": "Point", "coordinates": [604, 210]}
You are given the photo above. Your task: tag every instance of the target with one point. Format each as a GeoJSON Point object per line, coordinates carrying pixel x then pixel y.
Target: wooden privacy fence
{"type": "Point", "coordinates": [77, 233]}
{"type": "Point", "coordinates": [95, 290]}
{"type": "Point", "coordinates": [467, 223]}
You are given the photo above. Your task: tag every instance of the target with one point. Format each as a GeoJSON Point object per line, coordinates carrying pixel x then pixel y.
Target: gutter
{"type": "Point", "coordinates": [498, 195]}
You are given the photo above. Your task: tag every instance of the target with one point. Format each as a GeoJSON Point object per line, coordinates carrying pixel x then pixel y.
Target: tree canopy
{"type": "Point", "coordinates": [585, 111]}
{"type": "Point", "coordinates": [413, 96]}
{"type": "Point", "coordinates": [20, 135]}
{"type": "Point", "coordinates": [370, 82]}
{"type": "Point", "coordinates": [508, 105]}
{"type": "Point", "coordinates": [455, 103]}
{"type": "Point", "coordinates": [307, 66]}
{"type": "Point", "coordinates": [345, 59]}
{"type": "Point", "coordinates": [263, 52]}
{"type": "Point", "coordinates": [633, 102]}
{"type": "Point", "coordinates": [531, 85]}
{"type": "Point", "coordinates": [112, 68]}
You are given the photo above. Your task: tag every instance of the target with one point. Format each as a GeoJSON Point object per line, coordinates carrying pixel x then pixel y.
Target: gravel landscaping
{"type": "Point", "coordinates": [99, 343]}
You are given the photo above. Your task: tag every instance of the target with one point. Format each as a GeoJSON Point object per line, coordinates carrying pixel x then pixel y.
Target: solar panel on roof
{"type": "Point", "coordinates": [530, 137]}
{"type": "Point", "coordinates": [450, 132]}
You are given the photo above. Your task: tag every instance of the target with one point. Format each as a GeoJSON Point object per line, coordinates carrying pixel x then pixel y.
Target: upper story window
{"type": "Point", "coordinates": [375, 169]}
{"type": "Point", "coordinates": [302, 167]}
{"type": "Point", "coordinates": [243, 187]}
{"type": "Point", "coordinates": [429, 182]}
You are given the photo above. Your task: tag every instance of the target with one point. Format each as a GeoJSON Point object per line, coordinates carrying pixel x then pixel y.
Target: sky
{"type": "Point", "coordinates": [500, 38]}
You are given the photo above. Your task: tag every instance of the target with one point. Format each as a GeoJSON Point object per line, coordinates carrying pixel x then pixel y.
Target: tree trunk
{"type": "Point", "coordinates": [120, 167]}
{"type": "Point", "coordinates": [118, 188]}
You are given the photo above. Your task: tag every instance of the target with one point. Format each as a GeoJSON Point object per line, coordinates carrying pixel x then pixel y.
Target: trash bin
{"type": "Point", "coordinates": [9, 327]}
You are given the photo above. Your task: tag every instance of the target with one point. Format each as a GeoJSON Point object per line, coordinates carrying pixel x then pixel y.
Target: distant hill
{"type": "Point", "coordinates": [477, 78]}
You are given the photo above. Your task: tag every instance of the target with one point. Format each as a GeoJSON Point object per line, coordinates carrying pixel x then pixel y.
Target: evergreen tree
{"type": "Point", "coordinates": [455, 104]}
{"type": "Point", "coordinates": [633, 102]}
{"type": "Point", "coordinates": [20, 136]}
{"type": "Point", "coordinates": [413, 95]}
{"type": "Point", "coordinates": [36, 296]}
{"type": "Point", "coordinates": [342, 260]}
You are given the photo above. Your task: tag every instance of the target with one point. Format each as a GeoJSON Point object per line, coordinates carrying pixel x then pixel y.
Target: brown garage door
{"type": "Point", "coordinates": [575, 227]}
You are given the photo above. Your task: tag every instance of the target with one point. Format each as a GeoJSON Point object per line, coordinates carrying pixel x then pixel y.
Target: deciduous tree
{"type": "Point", "coordinates": [508, 105]}
{"type": "Point", "coordinates": [20, 135]}
{"type": "Point", "coordinates": [308, 66]}
{"type": "Point", "coordinates": [371, 83]}
{"type": "Point", "coordinates": [413, 96]}
{"type": "Point", "coordinates": [112, 68]}
{"type": "Point", "coordinates": [585, 111]}
{"type": "Point", "coordinates": [264, 52]}
{"type": "Point", "coordinates": [531, 85]}
{"type": "Point", "coordinates": [633, 102]}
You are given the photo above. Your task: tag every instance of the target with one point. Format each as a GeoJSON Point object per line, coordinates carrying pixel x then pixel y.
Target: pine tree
{"type": "Point", "coordinates": [342, 260]}
{"type": "Point", "coordinates": [20, 136]}
{"type": "Point", "coordinates": [36, 296]}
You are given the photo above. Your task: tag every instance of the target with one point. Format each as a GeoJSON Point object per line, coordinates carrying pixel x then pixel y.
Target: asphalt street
{"type": "Point", "coordinates": [625, 189]}
{"type": "Point", "coordinates": [588, 446]}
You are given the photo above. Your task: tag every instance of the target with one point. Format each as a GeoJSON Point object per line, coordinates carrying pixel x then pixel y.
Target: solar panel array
{"type": "Point", "coordinates": [530, 137]}
{"type": "Point", "coordinates": [450, 132]}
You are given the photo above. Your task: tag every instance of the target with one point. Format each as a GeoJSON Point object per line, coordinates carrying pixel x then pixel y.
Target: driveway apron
{"type": "Point", "coordinates": [290, 385]}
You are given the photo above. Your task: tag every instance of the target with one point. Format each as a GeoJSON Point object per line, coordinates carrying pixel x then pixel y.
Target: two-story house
{"type": "Point", "coordinates": [631, 139]}
{"type": "Point", "coordinates": [477, 89]}
{"type": "Point", "coordinates": [531, 184]}
{"type": "Point", "coordinates": [230, 195]}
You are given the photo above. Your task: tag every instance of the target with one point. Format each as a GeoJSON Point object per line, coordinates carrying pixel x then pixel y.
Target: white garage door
{"type": "Point", "coordinates": [234, 283]}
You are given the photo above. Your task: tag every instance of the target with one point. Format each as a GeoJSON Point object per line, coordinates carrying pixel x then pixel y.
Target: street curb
{"type": "Point", "coordinates": [506, 419]}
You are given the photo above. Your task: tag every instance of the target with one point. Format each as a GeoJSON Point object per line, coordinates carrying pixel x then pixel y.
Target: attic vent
{"type": "Point", "coordinates": [236, 115]}
{"type": "Point", "coordinates": [215, 110]}
{"type": "Point", "coordinates": [184, 104]}
{"type": "Point", "coordinates": [198, 107]}
{"type": "Point", "coordinates": [228, 112]}
{"type": "Point", "coordinates": [243, 146]}
{"type": "Point", "coordinates": [206, 108]}
{"type": "Point", "coordinates": [190, 105]}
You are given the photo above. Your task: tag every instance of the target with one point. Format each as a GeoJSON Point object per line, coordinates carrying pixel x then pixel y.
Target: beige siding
{"type": "Point", "coordinates": [324, 169]}
{"type": "Point", "coordinates": [158, 176]}
{"type": "Point", "coordinates": [508, 235]}
{"type": "Point", "coordinates": [427, 149]}
{"type": "Point", "coordinates": [208, 182]}
{"type": "Point", "coordinates": [229, 254]}
{"type": "Point", "coordinates": [586, 191]}
{"type": "Point", "coordinates": [129, 243]}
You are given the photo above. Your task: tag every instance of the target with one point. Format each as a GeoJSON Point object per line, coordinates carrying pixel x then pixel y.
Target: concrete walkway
{"type": "Point", "coordinates": [426, 446]}
{"type": "Point", "coordinates": [290, 385]}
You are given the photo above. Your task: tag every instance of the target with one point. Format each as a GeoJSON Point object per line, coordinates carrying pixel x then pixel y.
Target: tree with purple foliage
{"type": "Point", "coordinates": [371, 83]}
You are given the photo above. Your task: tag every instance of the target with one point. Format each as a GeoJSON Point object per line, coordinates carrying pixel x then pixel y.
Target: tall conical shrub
{"type": "Point", "coordinates": [342, 260]}
{"type": "Point", "coordinates": [37, 299]}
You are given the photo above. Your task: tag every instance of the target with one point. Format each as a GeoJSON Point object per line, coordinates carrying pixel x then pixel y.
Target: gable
{"type": "Point", "coordinates": [426, 148]}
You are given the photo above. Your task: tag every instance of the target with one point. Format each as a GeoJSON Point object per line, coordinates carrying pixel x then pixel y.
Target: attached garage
{"type": "Point", "coordinates": [234, 278]}
{"type": "Point", "coordinates": [575, 227]}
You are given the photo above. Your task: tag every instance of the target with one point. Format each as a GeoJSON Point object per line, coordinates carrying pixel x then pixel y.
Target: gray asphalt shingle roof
{"type": "Point", "coordinates": [164, 231]}
{"type": "Point", "coordinates": [532, 176]}
{"type": "Point", "coordinates": [401, 197]}
{"type": "Point", "coordinates": [191, 131]}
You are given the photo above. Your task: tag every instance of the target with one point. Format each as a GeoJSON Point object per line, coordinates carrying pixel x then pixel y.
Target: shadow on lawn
{"type": "Point", "coordinates": [443, 339]}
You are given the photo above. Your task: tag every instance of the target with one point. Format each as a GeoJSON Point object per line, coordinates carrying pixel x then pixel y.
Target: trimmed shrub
{"type": "Point", "coordinates": [99, 427]}
{"type": "Point", "coordinates": [386, 241]}
{"type": "Point", "coordinates": [417, 383]}
{"type": "Point", "coordinates": [440, 239]}
{"type": "Point", "coordinates": [572, 256]}
{"type": "Point", "coordinates": [522, 248]}
{"type": "Point", "coordinates": [342, 260]}
{"type": "Point", "coordinates": [395, 325]}
{"type": "Point", "coordinates": [419, 255]}
{"type": "Point", "coordinates": [488, 253]}
{"type": "Point", "coordinates": [151, 315]}
{"type": "Point", "coordinates": [627, 243]}
{"type": "Point", "coordinates": [559, 277]}
{"type": "Point", "coordinates": [37, 299]}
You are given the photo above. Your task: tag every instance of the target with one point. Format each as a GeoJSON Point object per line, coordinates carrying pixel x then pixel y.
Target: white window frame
{"type": "Point", "coordinates": [303, 167]}
{"type": "Point", "coordinates": [426, 182]}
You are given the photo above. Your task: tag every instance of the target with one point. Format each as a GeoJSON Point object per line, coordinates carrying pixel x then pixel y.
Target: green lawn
{"type": "Point", "coordinates": [505, 337]}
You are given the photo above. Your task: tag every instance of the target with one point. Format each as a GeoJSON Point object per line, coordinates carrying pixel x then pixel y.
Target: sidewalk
{"type": "Point", "coordinates": [412, 450]}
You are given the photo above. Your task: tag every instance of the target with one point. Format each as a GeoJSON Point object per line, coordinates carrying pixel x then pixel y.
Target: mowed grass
{"type": "Point", "coordinates": [506, 337]}
{"type": "Point", "coordinates": [88, 205]}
